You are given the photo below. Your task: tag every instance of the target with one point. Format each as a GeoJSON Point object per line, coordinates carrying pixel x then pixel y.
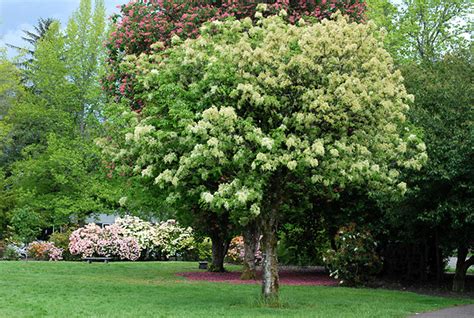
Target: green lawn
{"type": "Point", "coordinates": [70, 289]}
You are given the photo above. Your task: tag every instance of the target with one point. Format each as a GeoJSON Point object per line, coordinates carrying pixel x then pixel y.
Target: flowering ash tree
{"type": "Point", "coordinates": [247, 114]}
{"type": "Point", "coordinates": [142, 23]}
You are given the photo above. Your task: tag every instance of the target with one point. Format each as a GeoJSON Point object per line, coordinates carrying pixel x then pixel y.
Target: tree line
{"type": "Point", "coordinates": [276, 125]}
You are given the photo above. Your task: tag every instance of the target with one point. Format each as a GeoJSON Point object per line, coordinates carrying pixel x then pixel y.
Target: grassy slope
{"type": "Point", "coordinates": [36, 289]}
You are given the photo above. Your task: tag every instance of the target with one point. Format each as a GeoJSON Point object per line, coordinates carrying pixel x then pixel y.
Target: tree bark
{"type": "Point", "coordinates": [220, 245]}
{"type": "Point", "coordinates": [270, 284]}
{"type": "Point", "coordinates": [251, 238]}
{"type": "Point", "coordinates": [461, 268]}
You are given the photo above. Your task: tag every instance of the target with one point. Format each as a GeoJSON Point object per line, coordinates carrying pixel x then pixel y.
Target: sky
{"type": "Point", "coordinates": [18, 15]}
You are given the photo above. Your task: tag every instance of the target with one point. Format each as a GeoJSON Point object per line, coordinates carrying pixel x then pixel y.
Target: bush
{"type": "Point", "coordinates": [44, 251]}
{"type": "Point", "coordinates": [91, 240]}
{"type": "Point", "coordinates": [61, 240]}
{"type": "Point", "coordinates": [204, 249]}
{"type": "Point", "coordinates": [165, 239]}
{"type": "Point", "coordinates": [302, 244]}
{"type": "Point", "coordinates": [14, 252]}
{"type": "Point", "coordinates": [355, 261]}
{"type": "Point", "coordinates": [236, 251]}
{"type": "Point", "coordinates": [3, 246]}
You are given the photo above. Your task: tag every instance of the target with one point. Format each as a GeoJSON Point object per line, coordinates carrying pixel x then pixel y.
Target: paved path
{"type": "Point", "coordinates": [454, 312]}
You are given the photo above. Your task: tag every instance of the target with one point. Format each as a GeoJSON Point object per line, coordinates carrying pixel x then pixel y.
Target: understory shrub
{"type": "Point", "coordinates": [61, 240]}
{"type": "Point", "coordinates": [14, 252]}
{"type": "Point", "coordinates": [163, 240]}
{"type": "Point", "coordinates": [2, 248]}
{"type": "Point", "coordinates": [296, 245]}
{"type": "Point", "coordinates": [44, 251]}
{"type": "Point", "coordinates": [204, 249]}
{"type": "Point", "coordinates": [355, 260]}
{"type": "Point", "coordinates": [236, 251]}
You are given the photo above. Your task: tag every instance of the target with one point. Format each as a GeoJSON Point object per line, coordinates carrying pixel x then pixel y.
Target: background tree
{"type": "Point", "coordinates": [51, 163]}
{"type": "Point", "coordinates": [423, 30]}
{"type": "Point", "coordinates": [32, 39]}
{"type": "Point", "coordinates": [443, 108]}
{"type": "Point", "coordinates": [431, 41]}
{"type": "Point", "coordinates": [140, 24]}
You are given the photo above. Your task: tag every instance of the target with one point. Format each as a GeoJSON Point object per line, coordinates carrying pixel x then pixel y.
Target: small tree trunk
{"type": "Point", "coordinates": [270, 283]}
{"type": "Point", "coordinates": [220, 245]}
{"type": "Point", "coordinates": [251, 239]}
{"type": "Point", "coordinates": [461, 268]}
{"type": "Point", "coordinates": [439, 260]}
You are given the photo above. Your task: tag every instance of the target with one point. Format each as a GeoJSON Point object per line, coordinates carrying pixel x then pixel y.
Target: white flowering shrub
{"type": "Point", "coordinates": [142, 231]}
{"type": "Point", "coordinates": [170, 238]}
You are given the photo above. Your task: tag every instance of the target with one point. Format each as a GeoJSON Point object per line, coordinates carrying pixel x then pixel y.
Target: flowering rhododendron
{"type": "Point", "coordinates": [92, 240]}
{"type": "Point", "coordinates": [236, 251]}
{"type": "Point", "coordinates": [139, 229]}
{"type": "Point", "coordinates": [170, 238]}
{"type": "Point", "coordinates": [129, 236]}
{"type": "Point", "coordinates": [44, 250]}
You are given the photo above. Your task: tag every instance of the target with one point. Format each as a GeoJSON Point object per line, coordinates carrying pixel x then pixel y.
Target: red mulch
{"type": "Point", "coordinates": [286, 278]}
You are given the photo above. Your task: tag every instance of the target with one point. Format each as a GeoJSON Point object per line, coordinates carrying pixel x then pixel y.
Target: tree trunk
{"type": "Point", "coordinates": [461, 268]}
{"type": "Point", "coordinates": [270, 283]}
{"type": "Point", "coordinates": [439, 260]}
{"type": "Point", "coordinates": [220, 245]}
{"type": "Point", "coordinates": [251, 238]}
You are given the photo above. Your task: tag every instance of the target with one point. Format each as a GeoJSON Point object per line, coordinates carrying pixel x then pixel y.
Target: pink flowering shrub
{"type": "Point", "coordinates": [236, 251]}
{"type": "Point", "coordinates": [142, 23]}
{"type": "Point", "coordinates": [91, 240]}
{"type": "Point", "coordinates": [44, 251]}
{"type": "Point", "coordinates": [84, 241]}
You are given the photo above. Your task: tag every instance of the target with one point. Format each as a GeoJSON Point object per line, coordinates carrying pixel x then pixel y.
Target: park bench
{"type": "Point", "coordinates": [97, 259]}
{"type": "Point", "coordinates": [202, 265]}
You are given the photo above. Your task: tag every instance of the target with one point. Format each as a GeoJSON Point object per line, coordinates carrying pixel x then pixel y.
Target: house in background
{"type": "Point", "coordinates": [102, 220]}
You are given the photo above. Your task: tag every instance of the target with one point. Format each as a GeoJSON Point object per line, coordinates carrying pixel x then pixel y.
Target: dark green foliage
{"type": "Point", "coordinates": [436, 218]}
{"type": "Point", "coordinates": [302, 244]}
{"type": "Point", "coordinates": [354, 261]}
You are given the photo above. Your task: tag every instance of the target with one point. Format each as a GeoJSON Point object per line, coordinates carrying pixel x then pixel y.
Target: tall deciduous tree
{"type": "Point", "coordinates": [84, 58]}
{"type": "Point", "coordinates": [140, 24]}
{"type": "Point", "coordinates": [248, 114]}
{"type": "Point", "coordinates": [423, 29]}
{"type": "Point", "coordinates": [49, 155]}
{"type": "Point", "coordinates": [144, 26]}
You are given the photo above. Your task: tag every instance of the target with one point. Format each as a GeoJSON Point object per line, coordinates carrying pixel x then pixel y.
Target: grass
{"type": "Point", "coordinates": [151, 289]}
{"type": "Point", "coordinates": [452, 270]}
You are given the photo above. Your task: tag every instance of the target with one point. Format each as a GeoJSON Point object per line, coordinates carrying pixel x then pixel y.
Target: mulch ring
{"type": "Point", "coordinates": [287, 277]}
